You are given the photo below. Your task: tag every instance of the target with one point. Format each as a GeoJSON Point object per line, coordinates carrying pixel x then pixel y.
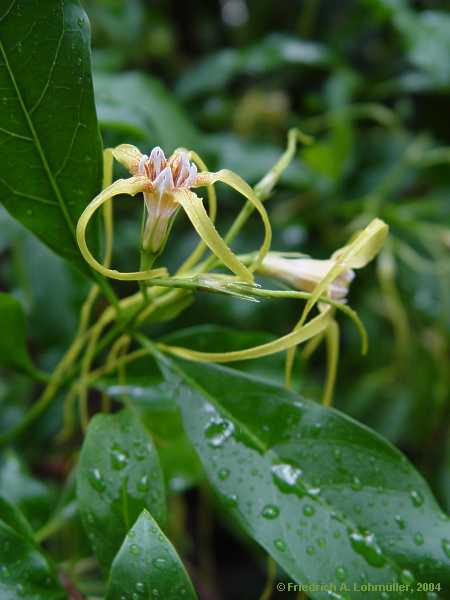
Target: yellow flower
{"type": "Point", "coordinates": [166, 185]}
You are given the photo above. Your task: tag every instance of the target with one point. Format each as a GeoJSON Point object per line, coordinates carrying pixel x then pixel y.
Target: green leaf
{"type": "Point", "coordinates": [119, 475]}
{"type": "Point", "coordinates": [159, 412]}
{"type": "Point", "coordinates": [50, 149]}
{"type": "Point", "coordinates": [148, 564]}
{"type": "Point", "coordinates": [139, 104]}
{"type": "Point", "coordinates": [328, 498]}
{"type": "Point", "coordinates": [13, 349]}
{"type": "Point", "coordinates": [25, 573]}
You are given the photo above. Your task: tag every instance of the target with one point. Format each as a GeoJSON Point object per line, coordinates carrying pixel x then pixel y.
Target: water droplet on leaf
{"type": "Point", "coordinates": [218, 431]}
{"type": "Point", "coordinates": [407, 577]}
{"type": "Point", "coordinates": [223, 474]}
{"type": "Point", "coordinates": [96, 480]}
{"type": "Point", "coordinates": [416, 498]}
{"type": "Point", "coordinates": [364, 544]}
{"type": "Point", "coordinates": [270, 511]}
{"type": "Point", "coordinates": [119, 458]}
{"type": "Point", "coordinates": [308, 510]}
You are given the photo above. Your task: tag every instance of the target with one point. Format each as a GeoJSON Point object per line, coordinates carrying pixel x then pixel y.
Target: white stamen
{"type": "Point", "coordinates": [190, 179]}
{"type": "Point", "coordinates": [164, 182]}
{"type": "Point", "coordinates": [143, 160]}
{"type": "Point", "coordinates": [157, 160]}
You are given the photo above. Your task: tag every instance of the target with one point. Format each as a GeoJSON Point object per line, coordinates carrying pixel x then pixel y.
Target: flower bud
{"type": "Point", "coordinates": [305, 273]}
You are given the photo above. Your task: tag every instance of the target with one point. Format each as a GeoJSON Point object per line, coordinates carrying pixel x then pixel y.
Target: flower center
{"type": "Point", "coordinates": [170, 174]}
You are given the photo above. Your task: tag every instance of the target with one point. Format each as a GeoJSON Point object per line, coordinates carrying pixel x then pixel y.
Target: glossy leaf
{"type": "Point", "coordinates": [329, 499]}
{"type": "Point", "coordinates": [118, 476]}
{"type": "Point", "coordinates": [25, 573]}
{"type": "Point", "coordinates": [13, 327]}
{"type": "Point", "coordinates": [159, 413]}
{"type": "Point", "coordinates": [139, 104]}
{"type": "Point", "coordinates": [148, 565]}
{"type": "Point", "coordinates": [50, 149]}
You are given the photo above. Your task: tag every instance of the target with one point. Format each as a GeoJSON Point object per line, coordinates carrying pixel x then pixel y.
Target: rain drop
{"type": "Point", "coordinates": [341, 573]}
{"type": "Point", "coordinates": [400, 522]}
{"type": "Point", "coordinates": [280, 545]}
{"type": "Point", "coordinates": [223, 474]}
{"type": "Point", "coordinates": [365, 545]}
{"type": "Point", "coordinates": [356, 484]}
{"type": "Point", "coordinates": [119, 458]}
{"type": "Point", "coordinates": [218, 431]}
{"type": "Point", "coordinates": [308, 510]}
{"type": "Point", "coordinates": [270, 511]}
{"type": "Point", "coordinates": [143, 484]}
{"type": "Point", "coordinates": [96, 480]}
{"type": "Point", "coordinates": [337, 454]}
{"type": "Point", "coordinates": [406, 577]}
{"type": "Point", "coordinates": [231, 501]}
{"type": "Point", "coordinates": [446, 547]}
{"type": "Point", "coordinates": [310, 550]}
{"type": "Point", "coordinates": [159, 563]}
{"type": "Point", "coordinates": [134, 549]}
{"type": "Point", "coordinates": [418, 539]}
{"type": "Point", "coordinates": [4, 572]}
{"type": "Point", "coordinates": [416, 498]}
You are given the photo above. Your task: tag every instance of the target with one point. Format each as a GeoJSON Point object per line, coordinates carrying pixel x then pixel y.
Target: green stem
{"type": "Point", "coordinates": [271, 573]}
{"type": "Point", "coordinates": [56, 523]}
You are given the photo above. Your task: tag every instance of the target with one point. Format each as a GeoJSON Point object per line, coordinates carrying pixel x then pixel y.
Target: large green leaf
{"type": "Point", "coordinates": [50, 149]}
{"type": "Point", "coordinates": [148, 565]}
{"type": "Point", "coordinates": [25, 573]}
{"type": "Point", "coordinates": [118, 476]}
{"type": "Point", "coordinates": [329, 499]}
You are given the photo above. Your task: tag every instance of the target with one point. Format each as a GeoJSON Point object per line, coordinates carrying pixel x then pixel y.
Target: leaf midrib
{"type": "Point", "coordinates": [36, 139]}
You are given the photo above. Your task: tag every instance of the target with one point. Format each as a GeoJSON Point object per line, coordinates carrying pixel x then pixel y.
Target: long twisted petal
{"type": "Point", "coordinates": [130, 186]}
{"type": "Point", "coordinates": [193, 207]}
{"type": "Point", "coordinates": [292, 339]}
{"type": "Point", "coordinates": [238, 184]}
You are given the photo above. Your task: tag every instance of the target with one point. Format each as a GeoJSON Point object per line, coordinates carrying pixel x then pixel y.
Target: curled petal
{"type": "Point", "coordinates": [129, 156]}
{"type": "Point", "coordinates": [212, 208]}
{"type": "Point", "coordinates": [238, 184]}
{"type": "Point", "coordinates": [130, 186]}
{"type": "Point", "coordinates": [292, 339]}
{"type": "Point", "coordinates": [193, 207]}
